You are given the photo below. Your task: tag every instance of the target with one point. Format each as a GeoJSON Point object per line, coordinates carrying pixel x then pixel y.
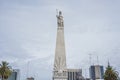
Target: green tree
{"type": "Point", "coordinates": [5, 70]}
{"type": "Point", "coordinates": [110, 73]}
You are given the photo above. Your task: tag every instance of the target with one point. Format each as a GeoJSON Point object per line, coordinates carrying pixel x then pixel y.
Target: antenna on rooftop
{"type": "Point", "coordinates": [97, 60]}
{"type": "Point", "coordinates": [90, 58]}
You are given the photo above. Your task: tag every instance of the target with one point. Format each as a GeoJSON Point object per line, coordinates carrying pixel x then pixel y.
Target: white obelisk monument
{"type": "Point", "coordinates": [60, 68]}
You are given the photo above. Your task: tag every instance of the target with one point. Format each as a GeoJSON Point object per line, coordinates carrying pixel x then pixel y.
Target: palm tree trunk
{"type": "Point", "coordinates": [2, 78]}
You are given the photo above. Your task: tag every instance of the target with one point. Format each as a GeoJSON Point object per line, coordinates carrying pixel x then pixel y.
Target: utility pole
{"type": "Point", "coordinates": [28, 69]}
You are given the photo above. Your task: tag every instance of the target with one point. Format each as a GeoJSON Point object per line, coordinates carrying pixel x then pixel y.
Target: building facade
{"type": "Point", "coordinates": [15, 75]}
{"type": "Point", "coordinates": [96, 72]}
{"type": "Point", "coordinates": [30, 78]}
{"type": "Point", "coordinates": [75, 74]}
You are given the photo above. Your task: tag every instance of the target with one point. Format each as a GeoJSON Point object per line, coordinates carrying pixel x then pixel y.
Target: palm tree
{"type": "Point", "coordinates": [5, 70]}
{"type": "Point", "coordinates": [110, 73]}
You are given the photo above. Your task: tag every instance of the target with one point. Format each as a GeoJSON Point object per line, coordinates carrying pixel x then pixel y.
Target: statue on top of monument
{"type": "Point", "coordinates": [60, 19]}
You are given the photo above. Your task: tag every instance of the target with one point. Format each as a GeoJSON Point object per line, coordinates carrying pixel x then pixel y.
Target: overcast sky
{"type": "Point", "coordinates": [28, 34]}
